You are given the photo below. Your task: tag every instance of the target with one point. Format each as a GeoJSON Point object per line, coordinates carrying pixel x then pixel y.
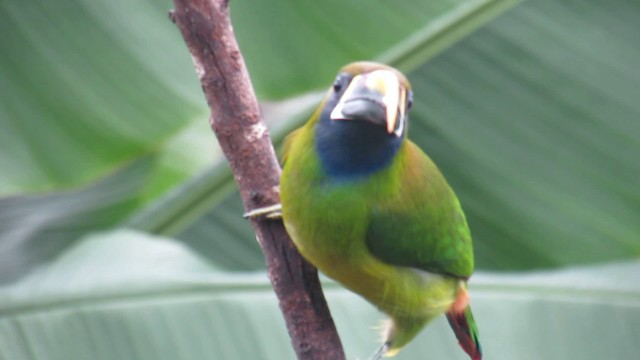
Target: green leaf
{"type": "Point", "coordinates": [35, 228]}
{"type": "Point", "coordinates": [535, 123]}
{"type": "Point", "coordinates": [128, 295]}
{"type": "Point", "coordinates": [332, 33]}
{"type": "Point", "coordinates": [89, 92]}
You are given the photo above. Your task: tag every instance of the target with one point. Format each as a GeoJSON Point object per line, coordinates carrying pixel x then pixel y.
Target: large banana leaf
{"type": "Point", "coordinates": [129, 296]}
{"type": "Point", "coordinates": [35, 228]}
{"type": "Point", "coordinates": [535, 121]}
{"type": "Point", "coordinates": [84, 93]}
{"type": "Point", "coordinates": [332, 33]}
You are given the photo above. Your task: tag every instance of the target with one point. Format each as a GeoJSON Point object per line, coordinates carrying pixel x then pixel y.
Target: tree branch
{"type": "Point", "coordinates": [235, 119]}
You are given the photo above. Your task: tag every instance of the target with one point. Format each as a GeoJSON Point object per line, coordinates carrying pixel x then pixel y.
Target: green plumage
{"type": "Point", "coordinates": [398, 236]}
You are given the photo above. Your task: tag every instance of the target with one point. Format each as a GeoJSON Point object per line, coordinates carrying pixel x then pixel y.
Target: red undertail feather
{"type": "Point", "coordinates": [466, 331]}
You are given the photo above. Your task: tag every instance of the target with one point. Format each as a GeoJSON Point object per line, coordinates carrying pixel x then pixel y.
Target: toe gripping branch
{"type": "Point", "coordinates": [381, 351]}
{"type": "Point", "coordinates": [272, 212]}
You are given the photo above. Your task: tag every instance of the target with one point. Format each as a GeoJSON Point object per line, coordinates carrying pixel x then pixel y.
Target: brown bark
{"type": "Point", "coordinates": [235, 119]}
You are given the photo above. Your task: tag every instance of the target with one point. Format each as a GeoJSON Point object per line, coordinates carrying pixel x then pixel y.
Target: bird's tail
{"type": "Point", "coordinates": [466, 331]}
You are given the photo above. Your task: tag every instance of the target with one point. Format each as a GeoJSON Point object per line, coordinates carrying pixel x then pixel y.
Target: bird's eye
{"type": "Point", "coordinates": [337, 84]}
{"type": "Point", "coordinates": [409, 100]}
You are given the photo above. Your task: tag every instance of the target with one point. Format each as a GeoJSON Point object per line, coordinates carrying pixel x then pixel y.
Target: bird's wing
{"type": "Point", "coordinates": [424, 226]}
{"type": "Point", "coordinates": [286, 146]}
{"type": "Point", "coordinates": [304, 130]}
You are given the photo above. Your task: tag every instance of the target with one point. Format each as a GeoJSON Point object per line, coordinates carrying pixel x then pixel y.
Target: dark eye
{"type": "Point", "coordinates": [409, 100]}
{"type": "Point", "coordinates": [338, 83]}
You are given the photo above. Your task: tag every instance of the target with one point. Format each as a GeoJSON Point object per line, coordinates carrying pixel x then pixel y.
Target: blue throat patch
{"type": "Point", "coordinates": [352, 149]}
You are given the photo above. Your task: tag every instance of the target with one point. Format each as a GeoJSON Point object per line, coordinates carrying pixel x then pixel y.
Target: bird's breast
{"type": "Point", "coordinates": [353, 150]}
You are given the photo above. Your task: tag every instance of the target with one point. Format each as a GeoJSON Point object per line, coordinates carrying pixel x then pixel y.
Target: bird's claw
{"type": "Point", "coordinates": [381, 352]}
{"type": "Point", "coordinates": [273, 212]}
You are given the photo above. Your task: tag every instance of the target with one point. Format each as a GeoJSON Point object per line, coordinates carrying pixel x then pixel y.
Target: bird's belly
{"type": "Point", "coordinates": [397, 291]}
{"type": "Point", "coordinates": [329, 227]}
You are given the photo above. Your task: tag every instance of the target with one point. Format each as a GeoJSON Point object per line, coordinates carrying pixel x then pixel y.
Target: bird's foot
{"type": "Point", "coordinates": [273, 212]}
{"type": "Point", "coordinates": [381, 352]}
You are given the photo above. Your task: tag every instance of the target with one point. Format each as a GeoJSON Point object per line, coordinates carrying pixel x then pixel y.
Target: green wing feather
{"type": "Point", "coordinates": [423, 226]}
{"type": "Point", "coordinates": [286, 147]}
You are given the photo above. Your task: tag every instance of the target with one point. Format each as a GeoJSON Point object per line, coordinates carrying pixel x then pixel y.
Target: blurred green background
{"type": "Point", "coordinates": [121, 234]}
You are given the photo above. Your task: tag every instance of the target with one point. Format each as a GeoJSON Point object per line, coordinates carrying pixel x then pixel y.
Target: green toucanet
{"type": "Point", "coordinates": [369, 209]}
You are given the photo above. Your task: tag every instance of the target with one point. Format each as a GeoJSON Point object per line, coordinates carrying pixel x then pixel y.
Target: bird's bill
{"type": "Point", "coordinates": [377, 97]}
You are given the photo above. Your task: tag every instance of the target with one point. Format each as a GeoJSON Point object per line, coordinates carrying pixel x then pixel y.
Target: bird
{"type": "Point", "coordinates": [369, 209]}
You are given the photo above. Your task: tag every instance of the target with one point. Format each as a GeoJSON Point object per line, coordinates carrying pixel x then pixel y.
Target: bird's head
{"type": "Point", "coordinates": [372, 92]}
{"type": "Point", "coordinates": [362, 123]}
